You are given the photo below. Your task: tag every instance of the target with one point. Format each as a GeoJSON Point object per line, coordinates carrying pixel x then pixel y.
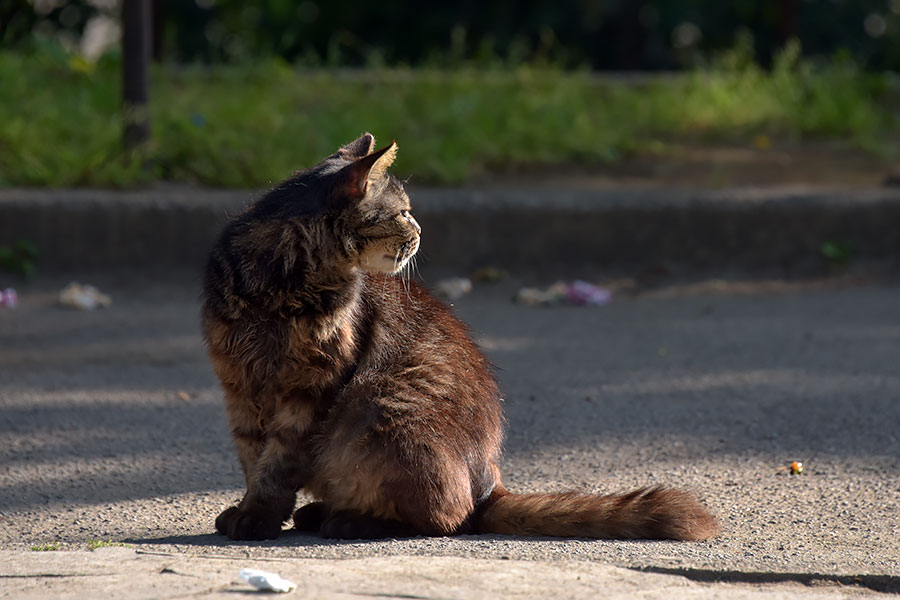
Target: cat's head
{"type": "Point", "coordinates": [367, 208]}
{"type": "Point", "coordinates": [375, 209]}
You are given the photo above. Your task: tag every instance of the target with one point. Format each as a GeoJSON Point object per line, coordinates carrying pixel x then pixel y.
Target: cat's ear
{"type": "Point", "coordinates": [358, 148]}
{"type": "Point", "coordinates": [354, 179]}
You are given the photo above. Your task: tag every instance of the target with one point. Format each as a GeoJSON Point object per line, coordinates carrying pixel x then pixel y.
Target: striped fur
{"type": "Point", "coordinates": [647, 513]}
{"type": "Point", "coordinates": [360, 388]}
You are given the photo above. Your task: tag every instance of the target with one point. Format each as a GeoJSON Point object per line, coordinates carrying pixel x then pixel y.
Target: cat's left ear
{"type": "Point", "coordinates": [354, 179]}
{"type": "Point", "coordinates": [361, 146]}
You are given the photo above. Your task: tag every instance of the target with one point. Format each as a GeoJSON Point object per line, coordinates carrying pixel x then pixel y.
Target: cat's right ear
{"type": "Point", "coordinates": [358, 148]}
{"type": "Point", "coordinates": [353, 180]}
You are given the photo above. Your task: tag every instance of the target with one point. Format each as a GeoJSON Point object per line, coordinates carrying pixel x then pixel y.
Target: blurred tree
{"type": "Point", "coordinates": [604, 34]}
{"type": "Point", "coordinates": [17, 19]}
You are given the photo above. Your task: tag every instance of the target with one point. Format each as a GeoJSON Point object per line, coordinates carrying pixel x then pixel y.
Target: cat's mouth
{"type": "Point", "coordinates": [384, 262]}
{"type": "Point", "coordinates": [406, 251]}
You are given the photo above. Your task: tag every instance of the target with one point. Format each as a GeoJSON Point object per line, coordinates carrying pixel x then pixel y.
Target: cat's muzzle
{"type": "Point", "coordinates": [408, 249]}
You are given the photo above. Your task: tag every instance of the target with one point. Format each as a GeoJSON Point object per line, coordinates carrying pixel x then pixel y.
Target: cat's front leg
{"type": "Point", "coordinates": [271, 491]}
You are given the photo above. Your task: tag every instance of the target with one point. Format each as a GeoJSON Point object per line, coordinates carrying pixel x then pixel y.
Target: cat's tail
{"type": "Point", "coordinates": [647, 513]}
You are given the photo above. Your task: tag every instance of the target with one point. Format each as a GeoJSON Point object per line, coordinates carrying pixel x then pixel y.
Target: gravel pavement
{"type": "Point", "coordinates": [113, 429]}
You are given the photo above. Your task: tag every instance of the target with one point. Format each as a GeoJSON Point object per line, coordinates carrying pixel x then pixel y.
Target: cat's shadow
{"type": "Point", "coordinates": [293, 538]}
{"type": "Point", "coordinates": [288, 537]}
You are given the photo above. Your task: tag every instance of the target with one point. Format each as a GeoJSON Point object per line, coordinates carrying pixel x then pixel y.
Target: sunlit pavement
{"type": "Point", "coordinates": [114, 430]}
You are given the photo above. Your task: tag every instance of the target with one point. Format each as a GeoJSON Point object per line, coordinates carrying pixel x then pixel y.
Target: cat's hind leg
{"type": "Point", "coordinates": [350, 525]}
{"type": "Point", "coordinates": [347, 524]}
{"type": "Point", "coordinates": [377, 488]}
{"type": "Point", "coordinates": [310, 517]}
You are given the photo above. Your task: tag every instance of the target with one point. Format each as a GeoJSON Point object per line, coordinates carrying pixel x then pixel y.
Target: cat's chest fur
{"type": "Point", "coordinates": [289, 367]}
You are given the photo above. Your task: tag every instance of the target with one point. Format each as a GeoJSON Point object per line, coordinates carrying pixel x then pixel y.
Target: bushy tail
{"type": "Point", "coordinates": [647, 513]}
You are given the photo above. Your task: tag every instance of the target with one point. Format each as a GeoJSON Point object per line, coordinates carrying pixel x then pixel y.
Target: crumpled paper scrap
{"type": "Point", "coordinates": [267, 582]}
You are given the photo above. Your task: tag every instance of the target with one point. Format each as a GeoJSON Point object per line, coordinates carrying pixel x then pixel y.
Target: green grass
{"type": "Point", "coordinates": [19, 258]}
{"type": "Point", "coordinates": [48, 547]}
{"type": "Point", "coordinates": [249, 125]}
{"type": "Point", "coordinates": [94, 544]}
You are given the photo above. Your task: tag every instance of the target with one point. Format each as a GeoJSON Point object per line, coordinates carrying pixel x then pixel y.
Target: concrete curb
{"type": "Point", "coordinates": [538, 228]}
{"type": "Point", "coordinates": [126, 573]}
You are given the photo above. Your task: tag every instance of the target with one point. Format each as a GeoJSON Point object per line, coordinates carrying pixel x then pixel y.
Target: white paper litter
{"type": "Point", "coordinates": [83, 297]}
{"type": "Point", "coordinates": [454, 288]}
{"type": "Point", "coordinates": [269, 582]}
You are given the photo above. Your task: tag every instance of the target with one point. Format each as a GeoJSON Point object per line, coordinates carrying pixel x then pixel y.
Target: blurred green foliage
{"type": "Point", "coordinates": [837, 254]}
{"type": "Point", "coordinates": [19, 258]}
{"type": "Point", "coordinates": [247, 125]}
{"type": "Point", "coordinates": [607, 34]}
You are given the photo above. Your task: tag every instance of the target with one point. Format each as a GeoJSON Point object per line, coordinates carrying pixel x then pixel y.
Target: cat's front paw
{"type": "Point", "coordinates": [239, 524]}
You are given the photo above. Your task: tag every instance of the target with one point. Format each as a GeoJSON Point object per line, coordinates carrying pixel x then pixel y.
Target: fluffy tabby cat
{"type": "Point", "coordinates": [366, 394]}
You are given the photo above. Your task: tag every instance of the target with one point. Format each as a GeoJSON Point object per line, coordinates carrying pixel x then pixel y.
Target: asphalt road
{"type": "Point", "coordinates": [113, 429]}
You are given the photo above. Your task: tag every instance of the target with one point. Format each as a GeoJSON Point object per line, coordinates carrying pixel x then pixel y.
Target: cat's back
{"type": "Point", "coordinates": [413, 316]}
{"type": "Point", "coordinates": [413, 332]}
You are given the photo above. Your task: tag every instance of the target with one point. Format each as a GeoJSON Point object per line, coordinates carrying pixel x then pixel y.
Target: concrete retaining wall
{"type": "Point", "coordinates": [466, 228]}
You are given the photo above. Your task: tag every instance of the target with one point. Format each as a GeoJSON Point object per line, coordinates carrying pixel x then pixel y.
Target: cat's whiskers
{"type": "Point", "coordinates": [415, 266]}
{"type": "Point", "coordinates": [400, 269]}
{"type": "Point", "coordinates": [404, 278]}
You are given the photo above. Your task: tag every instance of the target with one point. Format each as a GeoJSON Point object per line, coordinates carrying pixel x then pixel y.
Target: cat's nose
{"type": "Point", "coordinates": [414, 223]}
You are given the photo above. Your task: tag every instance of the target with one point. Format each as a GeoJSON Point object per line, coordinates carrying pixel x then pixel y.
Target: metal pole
{"type": "Point", "coordinates": [135, 60]}
{"type": "Point", "coordinates": [787, 20]}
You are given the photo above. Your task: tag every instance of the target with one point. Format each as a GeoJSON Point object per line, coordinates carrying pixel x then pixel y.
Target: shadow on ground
{"type": "Point", "coordinates": [121, 404]}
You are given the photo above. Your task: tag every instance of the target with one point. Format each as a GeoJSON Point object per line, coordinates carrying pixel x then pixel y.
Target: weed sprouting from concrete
{"type": "Point", "coordinates": [94, 544]}
{"type": "Point", "coordinates": [48, 547]}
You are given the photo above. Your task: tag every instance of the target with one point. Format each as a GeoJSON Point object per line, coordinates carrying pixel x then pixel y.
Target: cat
{"type": "Point", "coordinates": [358, 387]}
